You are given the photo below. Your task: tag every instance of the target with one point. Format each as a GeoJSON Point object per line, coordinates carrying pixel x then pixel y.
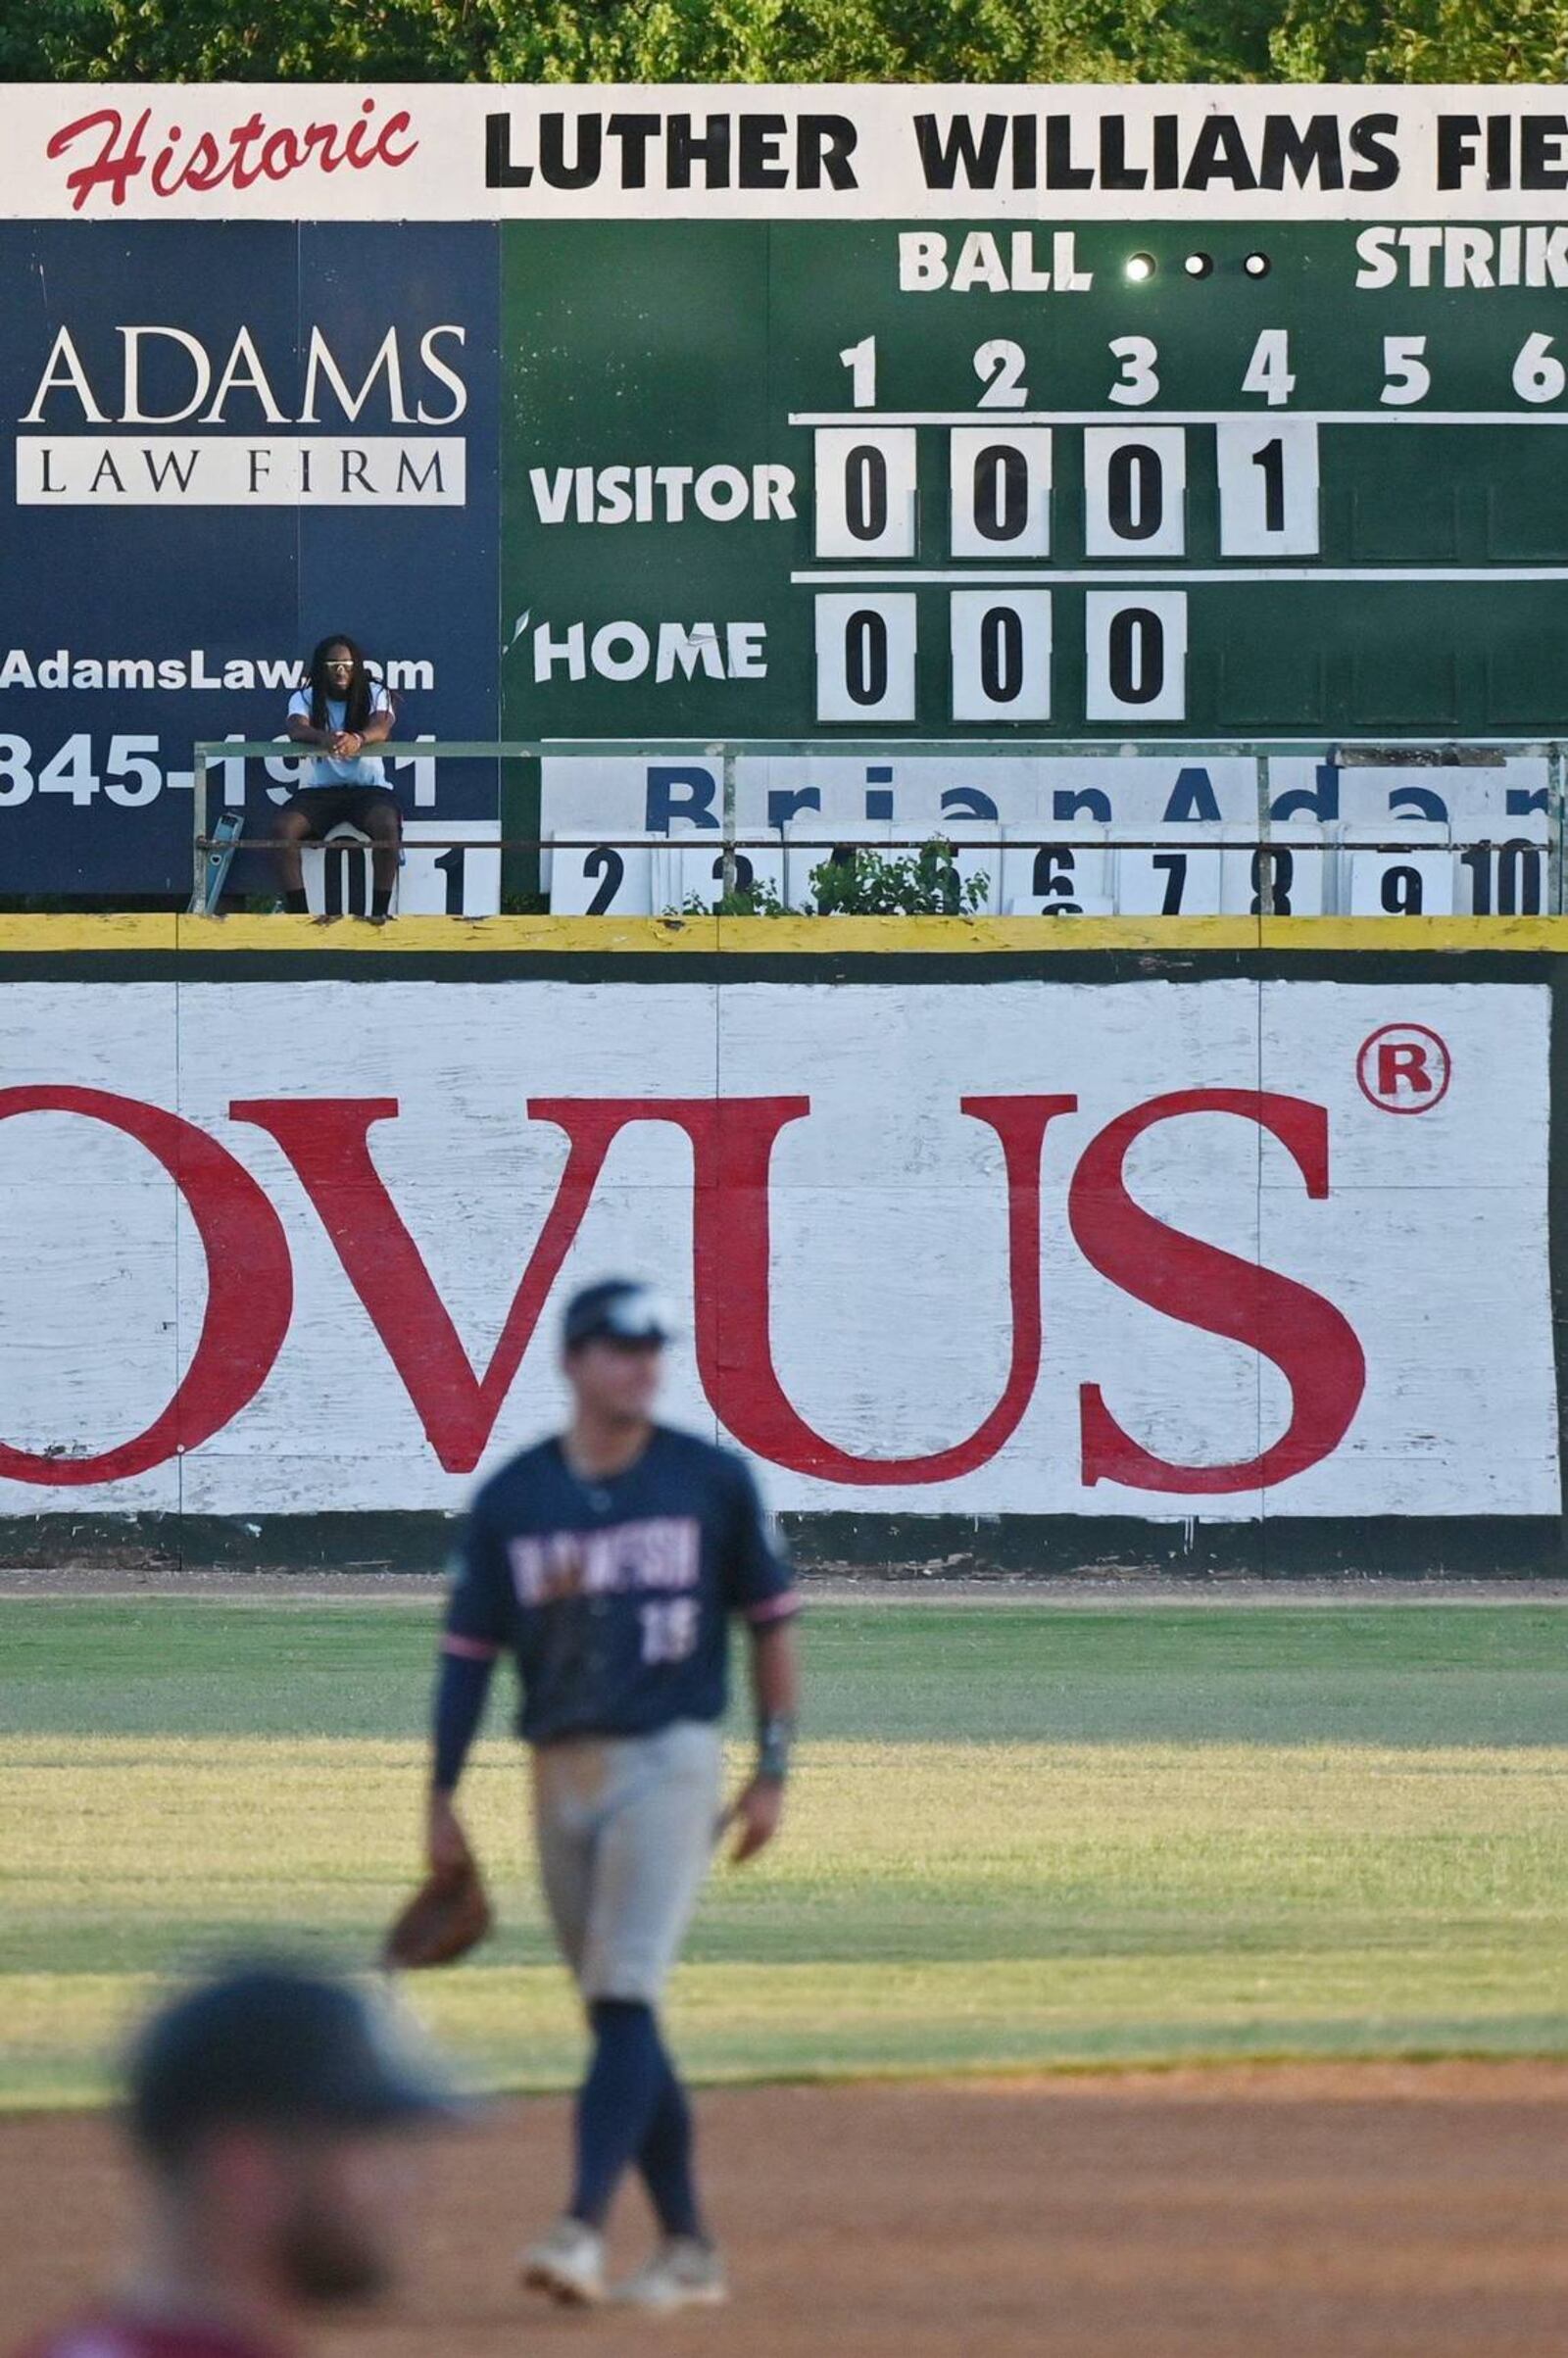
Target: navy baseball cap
{"type": "Point", "coordinates": [618, 1310]}
{"type": "Point", "coordinates": [273, 2045]}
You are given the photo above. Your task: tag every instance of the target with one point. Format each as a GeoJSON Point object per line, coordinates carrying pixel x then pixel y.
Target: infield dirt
{"type": "Point", "coordinates": [1269, 2212]}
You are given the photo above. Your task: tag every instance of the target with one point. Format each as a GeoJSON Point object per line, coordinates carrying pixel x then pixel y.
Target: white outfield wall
{"type": "Point", "coordinates": [1282, 1273]}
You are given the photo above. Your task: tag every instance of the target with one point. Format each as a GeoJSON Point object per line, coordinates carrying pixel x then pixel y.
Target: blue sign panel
{"type": "Point", "coordinates": [223, 442]}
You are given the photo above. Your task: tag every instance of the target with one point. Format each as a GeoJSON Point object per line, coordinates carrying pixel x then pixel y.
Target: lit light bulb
{"type": "Point", "coordinates": [1139, 267]}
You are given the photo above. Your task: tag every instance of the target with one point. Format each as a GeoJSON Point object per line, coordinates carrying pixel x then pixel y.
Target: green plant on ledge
{"type": "Point", "coordinates": [857, 883]}
{"type": "Point", "coordinates": [758, 899]}
{"type": "Point", "coordinates": [863, 883]}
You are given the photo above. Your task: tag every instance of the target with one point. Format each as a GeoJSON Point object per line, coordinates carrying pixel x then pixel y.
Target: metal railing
{"type": "Point", "coordinates": [1426, 752]}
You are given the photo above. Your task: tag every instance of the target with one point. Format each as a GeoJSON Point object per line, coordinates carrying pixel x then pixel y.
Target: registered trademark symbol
{"type": "Point", "coordinates": [1403, 1069]}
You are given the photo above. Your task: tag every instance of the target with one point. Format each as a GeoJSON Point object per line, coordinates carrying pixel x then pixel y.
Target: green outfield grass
{"type": "Point", "coordinates": [1022, 1834]}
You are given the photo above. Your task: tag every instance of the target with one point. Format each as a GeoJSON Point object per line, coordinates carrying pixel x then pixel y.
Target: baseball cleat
{"type": "Point", "coordinates": [684, 2273]}
{"type": "Point", "coordinates": [569, 2264]}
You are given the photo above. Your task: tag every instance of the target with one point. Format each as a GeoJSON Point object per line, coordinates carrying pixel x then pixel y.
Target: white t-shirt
{"type": "Point", "coordinates": [321, 769]}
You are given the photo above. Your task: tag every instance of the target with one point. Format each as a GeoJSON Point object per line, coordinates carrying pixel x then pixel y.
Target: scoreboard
{"type": "Point", "coordinates": [1107, 478]}
{"type": "Point", "coordinates": [1281, 489]}
{"type": "Point", "coordinates": [1267, 478]}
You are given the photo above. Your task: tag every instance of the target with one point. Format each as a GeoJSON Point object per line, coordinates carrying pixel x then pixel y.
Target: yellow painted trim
{"type": "Point", "coordinates": [430, 936]}
{"type": "Point", "coordinates": [839, 937]}
{"type": "Point", "coordinates": [1412, 933]}
{"type": "Point", "coordinates": [53, 935]}
{"type": "Point", "coordinates": [804, 937]}
{"type": "Point", "coordinates": [285, 936]}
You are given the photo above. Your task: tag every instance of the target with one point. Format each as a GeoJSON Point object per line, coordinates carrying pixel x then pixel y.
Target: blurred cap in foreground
{"type": "Point", "coordinates": [273, 2045]}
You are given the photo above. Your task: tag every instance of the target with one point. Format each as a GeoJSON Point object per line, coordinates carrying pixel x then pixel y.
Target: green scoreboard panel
{"type": "Point", "coordinates": [1261, 479]}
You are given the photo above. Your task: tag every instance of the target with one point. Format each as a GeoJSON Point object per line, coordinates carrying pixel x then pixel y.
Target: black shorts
{"type": "Point", "coordinates": [329, 806]}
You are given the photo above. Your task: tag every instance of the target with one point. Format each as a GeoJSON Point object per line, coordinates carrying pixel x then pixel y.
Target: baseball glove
{"type": "Point", "coordinates": [448, 1915]}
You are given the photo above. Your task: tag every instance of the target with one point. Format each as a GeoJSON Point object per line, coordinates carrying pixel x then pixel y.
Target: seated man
{"type": "Point", "coordinates": [342, 710]}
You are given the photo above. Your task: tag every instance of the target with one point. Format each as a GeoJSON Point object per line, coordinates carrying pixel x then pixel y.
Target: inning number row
{"type": "Point", "coordinates": [867, 485]}
{"type": "Point", "coordinates": [1099, 880]}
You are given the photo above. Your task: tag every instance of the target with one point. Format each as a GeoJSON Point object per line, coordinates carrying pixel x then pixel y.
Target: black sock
{"type": "Point", "coordinates": [382, 901]}
{"type": "Point", "coordinates": [665, 2161]}
{"type": "Point", "coordinates": [617, 2102]}
{"type": "Point", "coordinates": [296, 904]}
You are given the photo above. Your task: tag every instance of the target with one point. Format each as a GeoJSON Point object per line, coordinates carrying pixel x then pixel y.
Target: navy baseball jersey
{"type": "Point", "coordinates": [615, 1596]}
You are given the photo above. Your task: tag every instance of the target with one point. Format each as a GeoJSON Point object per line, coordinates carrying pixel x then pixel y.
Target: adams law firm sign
{"type": "Point", "coordinates": [1221, 1250]}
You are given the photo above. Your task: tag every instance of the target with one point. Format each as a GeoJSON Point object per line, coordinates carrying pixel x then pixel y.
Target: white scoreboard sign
{"type": "Point", "coordinates": [1096, 835]}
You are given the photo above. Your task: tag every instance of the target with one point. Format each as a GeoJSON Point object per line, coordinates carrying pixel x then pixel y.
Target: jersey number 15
{"type": "Point", "coordinates": [670, 1629]}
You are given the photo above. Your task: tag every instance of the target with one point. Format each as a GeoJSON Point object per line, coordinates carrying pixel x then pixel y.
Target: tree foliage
{"type": "Point", "coordinates": [784, 40]}
{"type": "Point", "coordinates": [1422, 41]}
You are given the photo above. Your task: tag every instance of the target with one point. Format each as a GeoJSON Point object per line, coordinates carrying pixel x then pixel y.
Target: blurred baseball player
{"type": "Point", "coordinates": [264, 2108]}
{"type": "Point", "coordinates": [607, 1562]}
